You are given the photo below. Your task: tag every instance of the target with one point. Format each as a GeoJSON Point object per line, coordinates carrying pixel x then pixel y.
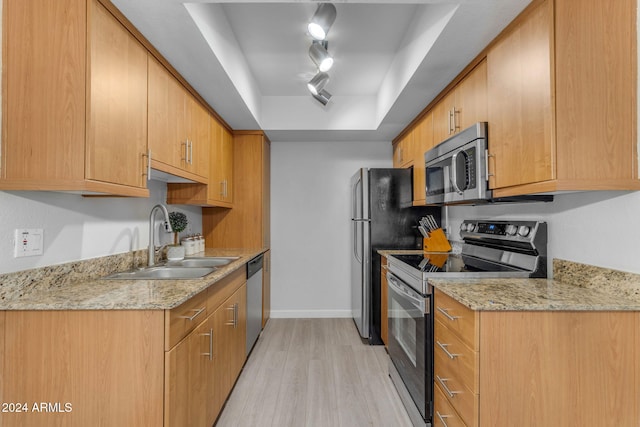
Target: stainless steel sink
{"type": "Point", "coordinates": [203, 262]}
{"type": "Point", "coordinates": [163, 272]}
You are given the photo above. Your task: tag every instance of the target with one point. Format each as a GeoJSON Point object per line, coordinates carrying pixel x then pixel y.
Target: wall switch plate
{"type": "Point", "coordinates": [28, 242]}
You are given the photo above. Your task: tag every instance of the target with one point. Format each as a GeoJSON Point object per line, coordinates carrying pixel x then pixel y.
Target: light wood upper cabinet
{"type": "Point", "coordinates": [463, 106]}
{"type": "Point", "coordinates": [219, 191]}
{"type": "Point", "coordinates": [423, 141]}
{"type": "Point", "coordinates": [117, 119]}
{"type": "Point", "coordinates": [179, 134]}
{"type": "Point", "coordinates": [247, 225]}
{"type": "Point", "coordinates": [519, 85]}
{"type": "Point", "coordinates": [562, 90]}
{"type": "Point", "coordinates": [77, 124]}
{"type": "Point", "coordinates": [403, 150]}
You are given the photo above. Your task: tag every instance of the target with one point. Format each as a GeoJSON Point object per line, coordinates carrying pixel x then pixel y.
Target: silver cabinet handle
{"type": "Point", "coordinates": [486, 163]}
{"type": "Point", "coordinates": [235, 315]}
{"type": "Point", "coordinates": [186, 150]}
{"type": "Point", "coordinates": [442, 417]}
{"type": "Point", "coordinates": [447, 315]}
{"type": "Point", "coordinates": [190, 152]}
{"type": "Point", "coordinates": [226, 188]}
{"type": "Point", "coordinates": [148, 164]}
{"type": "Point", "coordinates": [222, 188]}
{"type": "Point", "coordinates": [232, 322]}
{"type": "Point", "coordinates": [444, 348]}
{"type": "Point", "coordinates": [456, 125]}
{"type": "Point", "coordinates": [198, 311]}
{"type": "Point", "coordinates": [210, 335]}
{"type": "Point", "coordinates": [443, 383]}
{"type": "Point", "coordinates": [450, 124]}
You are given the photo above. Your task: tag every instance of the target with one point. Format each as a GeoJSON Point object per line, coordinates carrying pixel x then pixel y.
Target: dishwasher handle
{"type": "Point", "coordinates": [255, 265]}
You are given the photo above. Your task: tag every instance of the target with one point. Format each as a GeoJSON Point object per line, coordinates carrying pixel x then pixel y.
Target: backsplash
{"type": "Point", "coordinates": [21, 283]}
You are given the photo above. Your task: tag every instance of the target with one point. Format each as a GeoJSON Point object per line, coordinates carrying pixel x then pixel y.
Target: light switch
{"type": "Point", "coordinates": [28, 242]}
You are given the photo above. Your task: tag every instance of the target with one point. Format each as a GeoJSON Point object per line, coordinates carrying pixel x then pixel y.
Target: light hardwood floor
{"type": "Point", "coordinates": [314, 372]}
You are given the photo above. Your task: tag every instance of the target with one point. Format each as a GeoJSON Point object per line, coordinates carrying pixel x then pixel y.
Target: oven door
{"type": "Point", "coordinates": [411, 341]}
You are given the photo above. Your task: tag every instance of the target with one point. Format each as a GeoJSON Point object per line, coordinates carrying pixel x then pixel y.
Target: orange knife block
{"type": "Point", "coordinates": [436, 242]}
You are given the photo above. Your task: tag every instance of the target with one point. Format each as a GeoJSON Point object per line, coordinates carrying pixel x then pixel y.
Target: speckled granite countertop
{"type": "Point", "coordinates": [101, 294]}
{"type": "Point", "coordinates": [532, 295]}
{"type": "Point", "coordinates": [575, 287]}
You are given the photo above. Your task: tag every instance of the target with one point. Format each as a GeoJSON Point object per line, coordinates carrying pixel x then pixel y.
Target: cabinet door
{"type": "Point", "coordinates": [471, 97]}
{"type": "Point", "coordinates": [519, 107]}
{"type": "Point", "coordinates": [117, 117]}
{"type": "Point", "coordinates": [423, 142]}
{"type": "Point", "coordinates": [44, 65]}
{"type": "Point", "coordinates": [230, 332]}
{"type": "Point", "coordinates": [403, 150]}
{"type": "Point", "coordinates": [221, 173]}
{"type": "Point", "coordinates": [188, 364]}
{"type": "Point", "coordinates": [444, 118]}
{"type": "Point", "coordinates": [199, 135]}
{"type": "Point", "coordinates": [167, 132]}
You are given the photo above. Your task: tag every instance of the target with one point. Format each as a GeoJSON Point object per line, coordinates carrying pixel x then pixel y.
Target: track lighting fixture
{"type": "Point", "coordinates": [323, 97]}
{"type": "Point", "coordinates": [316, 84]}
{"type": "Point", "coordinates": [320, 56]}
{"type": "Point", "coordinates": [322, 20]}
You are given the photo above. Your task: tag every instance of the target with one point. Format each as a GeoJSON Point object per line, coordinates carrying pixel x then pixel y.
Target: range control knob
{"type": "Point", "coordinates": [524, 230]}
{"type": "Point", "coordinates": [463, 226]}
{"type": "Point", "coordinates": [471, 227]}
{"type": "Point", "coordinates": [511, 230]}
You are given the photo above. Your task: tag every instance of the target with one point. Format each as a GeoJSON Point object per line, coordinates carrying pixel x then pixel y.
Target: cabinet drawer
{"type": "Point", "coordinates": [458, 318]}
{"type": "Point", "coordinates": [443, 413]}
{"type": "Point", "coordinates": [459, 358]}
{"type": "Point", "coordinates": [224, 288]}
{"type": "Point", "coordinates": [183, 319]}
{"type": "Point", "coordinates": [461, 398]}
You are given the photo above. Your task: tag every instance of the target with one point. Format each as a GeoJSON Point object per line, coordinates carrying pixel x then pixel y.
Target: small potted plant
{"type": "Point", "coordinates": [179, 223]}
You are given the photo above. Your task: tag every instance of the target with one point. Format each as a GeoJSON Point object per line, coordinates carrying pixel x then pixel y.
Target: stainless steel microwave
{"type": "Point", "coordinates": [457, 168]}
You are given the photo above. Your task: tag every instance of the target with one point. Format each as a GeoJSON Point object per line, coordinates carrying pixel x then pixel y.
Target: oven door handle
{"type": "Point", "coordinates": [417, 301]}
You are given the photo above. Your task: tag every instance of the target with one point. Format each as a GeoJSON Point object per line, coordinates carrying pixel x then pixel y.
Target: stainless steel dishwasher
{"type": "Point", "coordinates": [254, 300]}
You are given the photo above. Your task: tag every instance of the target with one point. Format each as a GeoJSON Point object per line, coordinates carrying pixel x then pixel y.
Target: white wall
{"type": "Point", "coordinates": [597, 228]}
{"type": "Point", "coordinates": [310, 208]}
{"type": "Point", "coordinates": [77, 227]}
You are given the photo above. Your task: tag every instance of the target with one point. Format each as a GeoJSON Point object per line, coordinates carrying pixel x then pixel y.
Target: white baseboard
{"type": "Point", "coordinates": [310, 314]}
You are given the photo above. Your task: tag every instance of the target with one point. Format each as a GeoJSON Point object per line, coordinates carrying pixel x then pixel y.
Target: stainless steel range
{"type": "Point", "coordinates": [490, 249]}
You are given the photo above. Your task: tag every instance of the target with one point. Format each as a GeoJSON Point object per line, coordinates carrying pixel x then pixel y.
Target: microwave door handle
{"type": "Point", "coordinates": [454, 172]}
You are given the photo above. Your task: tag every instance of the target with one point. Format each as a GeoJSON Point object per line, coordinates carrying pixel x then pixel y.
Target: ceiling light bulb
{"type": "Point", "coordinates": [320, 56]}
{"type": "Point", "coordinates": [318, 81]}
{"type": "Point", "coordinates": [322, 20]}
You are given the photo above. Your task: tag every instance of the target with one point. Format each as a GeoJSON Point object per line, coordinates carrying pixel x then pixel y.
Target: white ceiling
{"type": "Point", "coordinates": [249, 59]}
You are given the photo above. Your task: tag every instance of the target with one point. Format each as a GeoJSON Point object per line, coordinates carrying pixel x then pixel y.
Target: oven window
{"type": "Point", "coordinates": [435, 180]}
{"type": "Point", "coordinates": [404, 329]}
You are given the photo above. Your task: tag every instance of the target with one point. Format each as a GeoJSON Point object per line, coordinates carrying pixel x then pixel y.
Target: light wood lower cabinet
{"type": "Point", "coordinates": [172, 368]}
{"type": "Point", "coordinates": [535, 368]}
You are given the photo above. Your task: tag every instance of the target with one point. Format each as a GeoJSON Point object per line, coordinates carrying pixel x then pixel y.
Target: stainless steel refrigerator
{"type": "Point", "coordinates": [382, 217]}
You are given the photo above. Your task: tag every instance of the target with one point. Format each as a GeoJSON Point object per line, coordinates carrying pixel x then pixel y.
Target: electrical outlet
{"type": "Point", "coordinates": [28, 242]}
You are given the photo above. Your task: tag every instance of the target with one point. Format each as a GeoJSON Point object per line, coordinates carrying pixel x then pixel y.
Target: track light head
{"type": "Point", "coordinates": [320, 56]}
{"type": "Point", "coordinates": [323, 97]}
{"type": "Point", "coordinates": [317, 83]}
{"type": "Point", "coordinates": [322, 20]}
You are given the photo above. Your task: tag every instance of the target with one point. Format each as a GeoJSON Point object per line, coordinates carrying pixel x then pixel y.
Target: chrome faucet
{"type": "Point", "coordinates": [167, 228]}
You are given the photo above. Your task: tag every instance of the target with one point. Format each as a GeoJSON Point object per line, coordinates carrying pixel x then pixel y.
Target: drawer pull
{"type": "Point", "coordinates": [198, 311]}
{"type": "Point", "coordinates": [444, 348]}
{"type": "Point", "coordinates": [443, 383]}
{"type": "Point", "coordinates": [442, 417]}
{"type": "Point", "coordinates": [445, 311]}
